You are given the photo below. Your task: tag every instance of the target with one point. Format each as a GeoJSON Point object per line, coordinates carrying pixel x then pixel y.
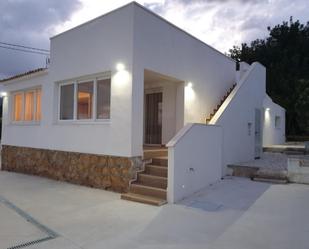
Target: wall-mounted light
{"type": "Point", "coordinates": [267, 109]}
{"type": "Point", "coordinates": [121, 77]}
{"type": "Point", "coordinates": [189, 92]}
{"type": "Point", "coordinates": [3, 94]}
{"type": "Point", "coordinates": [120, 67]}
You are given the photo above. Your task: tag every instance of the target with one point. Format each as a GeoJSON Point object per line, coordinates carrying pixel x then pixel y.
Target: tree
{"type": "Point", "coordinates": [285, 53]}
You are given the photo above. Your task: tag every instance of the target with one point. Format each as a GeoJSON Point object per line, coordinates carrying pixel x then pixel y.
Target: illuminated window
{"type": "Point", "coordinates": [84, 100]}
{"type": "Point", "coordinates": [18, 107]}
{"type": "Point", "coordinates": [38, 105]}
{"type": "Point", "coordinates": [27, 106]}
{"type": "Point", "coordinates": [87, 100]}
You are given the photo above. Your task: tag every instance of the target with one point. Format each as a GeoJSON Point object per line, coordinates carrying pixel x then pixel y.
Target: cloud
{"type": "Point", "coordinates": [219, 23]}
{"type": "Point", "coordinates": [224, 23]}
{"type": "Point", "coordinates": [30, 23]}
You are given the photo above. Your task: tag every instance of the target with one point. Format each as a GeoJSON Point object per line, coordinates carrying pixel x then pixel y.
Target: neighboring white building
{"type": "Point", "coordinates": [128, 79]}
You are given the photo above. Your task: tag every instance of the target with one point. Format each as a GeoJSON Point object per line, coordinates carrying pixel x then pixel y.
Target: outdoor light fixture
{"type": "Point", "coordinates": [267, 109]}
{"type": "Point", "coordinates": [120, 67]}
{"type": "Point", "coordinates": [3, 94]}
{"type": "Point", "coordinates": [189, 92]}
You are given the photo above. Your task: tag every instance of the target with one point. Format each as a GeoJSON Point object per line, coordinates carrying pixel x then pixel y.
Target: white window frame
{"type": "Point", "coordinates": [75, 82]}
{"type": "Point", "coordinates": [59, 101]}
{"type": "Point", "coordinates": [12, 106]}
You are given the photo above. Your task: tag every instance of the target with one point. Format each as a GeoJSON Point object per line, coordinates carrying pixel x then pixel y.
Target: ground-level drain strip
{"type": "Point", "coordinates": [50, 233]}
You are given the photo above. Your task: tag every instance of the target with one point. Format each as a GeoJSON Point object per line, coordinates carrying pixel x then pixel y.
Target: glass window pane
{"type": "Point", "coordinates": [67, 102]}
{"type": "Point", "coordinates": [29, 106]}
{"type": "Point", "coordinates": [84, 100]}
{"type": "Point", "coordinates": [18, 106]}
{"type": "Point", "coordinates": [38, 105]}
{"type": "Point", "coordinates": [103, 98]}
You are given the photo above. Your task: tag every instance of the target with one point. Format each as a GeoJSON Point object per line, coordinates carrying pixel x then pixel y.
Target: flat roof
{"type": "Point", "coordinates": [152, 13]}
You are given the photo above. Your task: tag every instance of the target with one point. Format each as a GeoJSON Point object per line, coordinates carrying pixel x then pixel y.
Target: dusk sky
{"type": "Point", "coordinates": [219, 23]}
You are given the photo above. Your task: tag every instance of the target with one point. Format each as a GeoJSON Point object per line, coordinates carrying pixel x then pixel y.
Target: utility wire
{"type": "Point", "coordinates": [24, 50]}
{"type": "Point", "coordinates": [15, 45]}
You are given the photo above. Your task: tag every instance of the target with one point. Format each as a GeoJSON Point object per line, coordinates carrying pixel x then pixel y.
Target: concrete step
{"type": "Point", "coordinates": [151, 153]}
{"type": "Point", "coordinates": [160, 161]}
{"type": "Point", "coordinates": [137, 188]}
{"type": "Point", "coordinates": [271, 174]}
{"type": "Point", "coordinates": [143, 199]}
{"type": "Point", "coordinates": [270, 180]}
{"type": "Point", "coordinates": [152, 181]}
{"type": "Point", "coordinates": [156, 170]}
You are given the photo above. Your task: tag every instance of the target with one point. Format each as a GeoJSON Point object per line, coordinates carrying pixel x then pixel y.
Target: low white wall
{"type": "Point", "coordinates": [194, 160]}
{"type": "Point", "coordinates": [237, 114]}
{"type": "Point", "coordinates": [273, 133]}
{"type": "Point", "coordinates": [298, 169]}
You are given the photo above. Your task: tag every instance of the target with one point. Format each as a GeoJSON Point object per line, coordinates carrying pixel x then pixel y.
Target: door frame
{"type": "Point", "coordinates": [258, 133]}
{"type": "Point", "coordinates": [149, 91]}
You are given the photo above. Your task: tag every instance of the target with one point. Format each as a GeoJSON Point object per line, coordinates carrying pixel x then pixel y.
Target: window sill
{"type": "Point", "coordinates": [23, 123]}
{"type": "Point", "coordinates": [83, 122]}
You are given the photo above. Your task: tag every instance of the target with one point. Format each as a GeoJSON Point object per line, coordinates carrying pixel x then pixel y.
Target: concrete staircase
{"type": "Point", "coordinates": [151, 184]}
{"type": "Point", "coordinates": [219, 105]}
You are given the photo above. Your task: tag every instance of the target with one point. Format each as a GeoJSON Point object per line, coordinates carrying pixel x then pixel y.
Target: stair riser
{"type": "Point", "coordinates": [157, 171]}
{"type": "Point", "coordinates": [152, 181]}
{"type": "Point", "coordinates": [124, 197]}
{"type": "Point", "coordinates": [158, 161]}
{"type": "Point", "coordinates": [155, 153]}
{"type": "Point", "coordinates": [149, 192]}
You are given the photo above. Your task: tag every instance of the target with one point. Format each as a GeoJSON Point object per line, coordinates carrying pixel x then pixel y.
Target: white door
{"type": "Point", "coordinates": [257, 134]}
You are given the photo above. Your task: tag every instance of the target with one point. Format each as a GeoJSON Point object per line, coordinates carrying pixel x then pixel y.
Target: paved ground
{"type": "Point", "coordinates": [235, 213]}
{"type": "Point", "coordinates": [268, 160]}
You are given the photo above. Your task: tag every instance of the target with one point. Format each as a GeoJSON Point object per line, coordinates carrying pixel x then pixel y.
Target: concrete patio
{"type": "Point", "coordinates": [235, 213]}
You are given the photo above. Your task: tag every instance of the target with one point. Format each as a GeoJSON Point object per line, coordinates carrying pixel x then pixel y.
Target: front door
{"type": "Point", "coordinates": [153, 118]}
{"type": "Point", "coordinates": [257, 134]}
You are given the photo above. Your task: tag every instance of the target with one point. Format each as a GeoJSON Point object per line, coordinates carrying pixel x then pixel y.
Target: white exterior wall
{"type": "Point", "coordinates": [194, 160]}
{"type": "Point", "coordinates": [163, 48]}
{"type": "Point", "coordinates": [140, 40]}
{"type": "Point", "coordinates": [272, 134]}
{"type": "Point", "coordinates": [239, 110]}
{"type": "Point", "coordinates": [91, 48]}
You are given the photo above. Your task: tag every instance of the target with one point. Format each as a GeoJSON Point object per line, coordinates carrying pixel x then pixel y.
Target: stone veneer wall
{"type": "Point", "coordinates": [99, 171]}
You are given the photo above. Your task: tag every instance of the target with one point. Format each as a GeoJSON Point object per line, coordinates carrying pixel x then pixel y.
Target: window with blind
{"type": "Point", "coordinates": [26, 106]}
{"type": "Point", "coordinates": [85, 100]}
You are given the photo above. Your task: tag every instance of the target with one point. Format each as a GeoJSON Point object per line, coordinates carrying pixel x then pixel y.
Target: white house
{"type": "Point", "coordinates": [124, 82]}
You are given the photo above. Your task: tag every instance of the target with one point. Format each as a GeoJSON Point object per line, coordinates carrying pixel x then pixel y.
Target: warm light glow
{"type": "Point", "coordinates": [267, 115]}
{"type": "Point", "coordinates": [3, 94]}
{"type": "Point", "coordinates": [29, 106]}
{"type": "Point", "coordinates": [120, 67]}
{"type": "Point", "coordinates": [121, 78]}
{"type": "Point", "coordinates": [17, 107]}
{"type": "Point", "coordinates": [189, 92]}
{"type": "Point", "coordinates": [38, 105]}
